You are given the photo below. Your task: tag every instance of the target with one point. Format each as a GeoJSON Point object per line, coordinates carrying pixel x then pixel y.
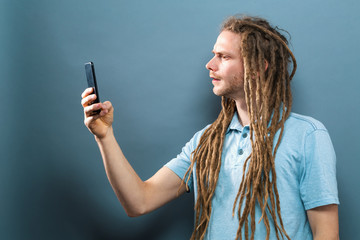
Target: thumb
{"type": "Point", "coordinates": [107, 105]}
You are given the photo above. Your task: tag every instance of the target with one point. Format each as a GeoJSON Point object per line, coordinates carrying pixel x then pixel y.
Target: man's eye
{"type": "Point", "coordinates": [225, 57]}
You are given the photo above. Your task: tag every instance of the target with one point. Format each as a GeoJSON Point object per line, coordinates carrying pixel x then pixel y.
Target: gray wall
{"type": "Point", "coordinates": [150, 58]}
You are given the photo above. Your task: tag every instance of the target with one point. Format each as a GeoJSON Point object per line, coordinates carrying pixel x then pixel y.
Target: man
{"type": "Point", "coordinates": [259, 171]}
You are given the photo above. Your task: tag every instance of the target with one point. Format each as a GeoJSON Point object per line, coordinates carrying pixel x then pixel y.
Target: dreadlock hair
{"type": "Point", "coordinates": [268, 99]}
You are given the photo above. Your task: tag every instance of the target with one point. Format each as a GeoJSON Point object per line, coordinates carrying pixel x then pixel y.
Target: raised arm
{"type": "Point", "coordinates": [136, 196]}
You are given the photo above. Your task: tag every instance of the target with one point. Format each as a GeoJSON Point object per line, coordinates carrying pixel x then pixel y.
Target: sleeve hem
{"type": "Point", "coordinates": [322, 202]}
{"type": "Point", "coordinates": [179, 175]}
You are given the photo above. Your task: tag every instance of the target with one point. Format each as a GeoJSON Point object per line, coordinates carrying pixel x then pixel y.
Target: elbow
{"type": "Point", "coordinates": [135, 212]}
{"type": "Point", "coordinates": [135, 209]}
{"type": "Point", "coordinates": [133, 215]}
{"type": "Point", "coordinates": [135, 205]}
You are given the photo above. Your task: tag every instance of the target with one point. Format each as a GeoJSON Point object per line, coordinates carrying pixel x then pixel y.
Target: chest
{"type": "Point", "coordinates": [236, 150]}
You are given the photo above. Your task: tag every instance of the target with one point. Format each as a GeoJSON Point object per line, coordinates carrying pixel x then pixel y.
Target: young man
{"type": "Point", "coordinates": [259, 171]}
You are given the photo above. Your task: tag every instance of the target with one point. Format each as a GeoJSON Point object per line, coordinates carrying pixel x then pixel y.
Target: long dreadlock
{"type": "Point", "coordinates": [268, 99]}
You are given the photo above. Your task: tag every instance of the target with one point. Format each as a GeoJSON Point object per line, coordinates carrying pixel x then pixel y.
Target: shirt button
{"type": "Point", "coordinates": [240, 151]}
{"type": "Point", "coordinates": [244, 135]}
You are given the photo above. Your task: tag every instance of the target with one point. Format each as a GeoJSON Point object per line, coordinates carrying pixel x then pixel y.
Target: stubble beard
{"type": "Point", "coordinates": [233, 90]}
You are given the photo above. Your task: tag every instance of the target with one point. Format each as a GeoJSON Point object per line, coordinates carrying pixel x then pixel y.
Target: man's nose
{"type": "Point", "coordinates": [211, 65]}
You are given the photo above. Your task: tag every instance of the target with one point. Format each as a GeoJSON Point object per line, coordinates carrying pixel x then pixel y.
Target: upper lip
{"type": "Point", "coordinates": [214, 77]}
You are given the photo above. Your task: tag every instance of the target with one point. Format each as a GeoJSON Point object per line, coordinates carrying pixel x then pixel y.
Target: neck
{"type": "Point", "coordinates": [242, 112]}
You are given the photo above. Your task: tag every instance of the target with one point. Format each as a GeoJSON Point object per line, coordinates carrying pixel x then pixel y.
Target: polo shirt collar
{"type": "Point", "coordinates": [235, 124]}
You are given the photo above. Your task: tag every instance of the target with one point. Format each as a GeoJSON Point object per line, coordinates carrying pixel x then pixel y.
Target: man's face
{"type": "Point", "coordinates": [227, 66]}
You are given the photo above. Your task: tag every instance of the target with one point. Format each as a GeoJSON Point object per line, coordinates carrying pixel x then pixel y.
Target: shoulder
{"type": "Point", "coordinates": [304, 124]}
{"type": "Point", "coordinates": [299, 129]}
{"type": "Point", "coordinates": [196, 138]}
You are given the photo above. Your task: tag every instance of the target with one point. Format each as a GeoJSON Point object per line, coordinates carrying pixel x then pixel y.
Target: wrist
{"type": "Point", "coordinates": [108, 135]}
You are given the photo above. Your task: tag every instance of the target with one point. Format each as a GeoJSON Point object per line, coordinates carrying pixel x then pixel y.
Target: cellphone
{"type": "Point", "coordinates": [91, 80]}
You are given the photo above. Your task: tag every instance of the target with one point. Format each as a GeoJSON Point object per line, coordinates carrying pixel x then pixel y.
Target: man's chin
{"type": "Point", "coordinates": [218, 92]}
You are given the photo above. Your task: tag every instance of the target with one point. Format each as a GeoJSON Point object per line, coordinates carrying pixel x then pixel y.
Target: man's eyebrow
{"type": "Point", "coordinates": [222, 53]}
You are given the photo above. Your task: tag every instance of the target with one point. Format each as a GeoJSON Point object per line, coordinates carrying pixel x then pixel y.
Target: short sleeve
{"type": "Point", "coordinates": [318, 185]}
{"type": "Point", "coordinates": [181, 163]}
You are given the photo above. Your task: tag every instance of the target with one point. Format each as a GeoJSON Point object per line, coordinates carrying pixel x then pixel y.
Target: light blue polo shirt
{"type": "Point", "coordinates": [305, 167]}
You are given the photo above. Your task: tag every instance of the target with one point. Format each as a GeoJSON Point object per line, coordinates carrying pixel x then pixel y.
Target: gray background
{"type": "Point", "coordinates": [149, 58]}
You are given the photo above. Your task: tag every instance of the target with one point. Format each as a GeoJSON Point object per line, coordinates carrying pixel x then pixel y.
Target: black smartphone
{"type": "Point", "coordinates": [91, 80]}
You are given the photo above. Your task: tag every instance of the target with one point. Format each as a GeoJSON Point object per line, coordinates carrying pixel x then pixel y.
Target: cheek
{"type": "Point", "coordinates": [237, 78]}
{"type": "Point", "coordinates": [236, 74]}
{"type": "Point", "coordinates": [235, 69]}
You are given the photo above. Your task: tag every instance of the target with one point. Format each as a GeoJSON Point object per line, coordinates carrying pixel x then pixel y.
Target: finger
{"type": "Point", "coordinates": [87, 92]}
{"type": "Point", "coordinates": [103, 112]}
{"type": "Point", "coordinates": [89, 110]}
{"type": "Point", "coordinates": [93, 116]}
{"type": "Point", "coordinates": [88, 100]}
{"type": "Point", "coordinates": [90, 119]}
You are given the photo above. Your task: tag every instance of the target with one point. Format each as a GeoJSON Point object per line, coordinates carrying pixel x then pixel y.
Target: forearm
{"type": "Point", "coordinates": [127, 185]}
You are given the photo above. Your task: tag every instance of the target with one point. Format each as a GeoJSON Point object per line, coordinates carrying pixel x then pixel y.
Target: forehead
{"type": "Point", "coordinates": [227, 42]}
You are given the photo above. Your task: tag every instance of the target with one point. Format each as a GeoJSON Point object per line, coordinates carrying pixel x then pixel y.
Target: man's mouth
{"type": "Point", "coordinates": [215, 78]}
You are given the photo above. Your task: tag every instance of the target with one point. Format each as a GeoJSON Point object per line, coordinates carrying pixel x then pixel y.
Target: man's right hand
{"type": "Point", "coordinates": [98, 124]}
